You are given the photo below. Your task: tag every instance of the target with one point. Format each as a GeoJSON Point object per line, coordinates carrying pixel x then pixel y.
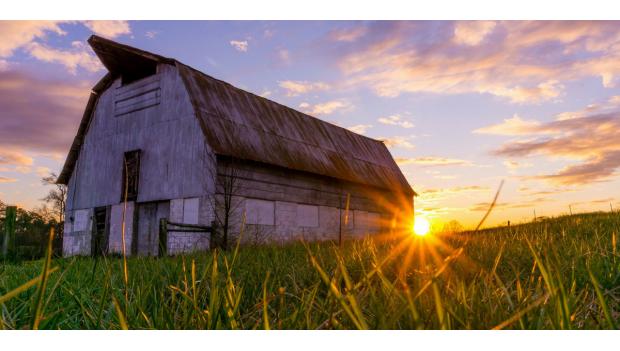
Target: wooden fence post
{"type": "Point", "coordinates": [8, 245]}
{"type": "Point", "coordinates": [163, 237]}
{"type": "Point", "coordinates": [213, 236]}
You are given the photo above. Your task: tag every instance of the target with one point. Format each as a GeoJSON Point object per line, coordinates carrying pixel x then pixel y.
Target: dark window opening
{"type": "Point", "coordinates": [131, 175]}
{"type": "Point", "coordinates": [139, 72]}
{"type": "Point", "coordinates": [99, 244]}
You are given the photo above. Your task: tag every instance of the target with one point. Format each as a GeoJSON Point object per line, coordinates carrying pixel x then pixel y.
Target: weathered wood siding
{"type": "Point", "coordinates": [282, 205]}
{"type": "Point", "coordinates": [155, 116]}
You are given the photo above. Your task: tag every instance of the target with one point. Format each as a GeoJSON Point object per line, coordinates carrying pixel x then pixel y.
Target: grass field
{"type": "Point", "coordinates": [561, 273]}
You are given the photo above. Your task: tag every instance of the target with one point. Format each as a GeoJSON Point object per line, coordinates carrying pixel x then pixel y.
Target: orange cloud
{"type": "Point", "coordinates": [360, 128]}
{"type": "Point", "coordinates": [110, 29]}
{"type": "Point", "coordinates": [432, 161]}
{"type": "Point", "coordinates": [455, 190]}
{"type": "Point", "coordinates": [7, 180]}
{"type": "Point", "coordinates": [294, 88]}
{"type": "Point", "coordinates": [12, 157]}
{"type": "Point", "coordinates": [484, 206]}
{"type": "Point", "coordinates": [325, 108]}
{"type": "Point", "coordinates": [398, 141]}
{"type": "Point", "coordinates": [396, 120]}
{"type": "Point", "coordinates": [511, 126]}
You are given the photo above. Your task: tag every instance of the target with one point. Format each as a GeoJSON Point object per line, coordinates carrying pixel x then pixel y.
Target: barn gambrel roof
{"type": "Point", "coordinates": [246, 126]}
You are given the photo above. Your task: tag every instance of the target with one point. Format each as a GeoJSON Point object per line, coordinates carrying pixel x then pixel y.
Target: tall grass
{"type": "Point", "coordinates": [561, 273]}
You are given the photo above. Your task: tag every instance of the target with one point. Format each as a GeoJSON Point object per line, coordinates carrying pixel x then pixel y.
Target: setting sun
{"type": "Point", "coordinates": [421, 226]}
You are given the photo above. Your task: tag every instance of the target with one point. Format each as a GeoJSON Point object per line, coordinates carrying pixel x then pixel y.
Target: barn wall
{"type": "Point", "coordinates": [190, 211]}
{"type": "Point", "coordinates": [282, 205]}
{"type": "Point", "coordinates": [155, 116]}
{"type": "Point", "coordinates": [115, 240]}
{"type": "Point", "coordinates": [77, 234]}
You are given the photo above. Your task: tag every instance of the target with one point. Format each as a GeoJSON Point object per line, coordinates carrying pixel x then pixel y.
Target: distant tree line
{"type": "Point", "coordinates": [32, 227]}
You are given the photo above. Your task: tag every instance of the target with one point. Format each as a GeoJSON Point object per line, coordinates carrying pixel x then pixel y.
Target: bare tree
{"type": "Point", "coordinates": [56, 197]}
{"type": "Point", "coordinates": [45, 212]}
{"type": "Point", "coordinates": [223, 205]}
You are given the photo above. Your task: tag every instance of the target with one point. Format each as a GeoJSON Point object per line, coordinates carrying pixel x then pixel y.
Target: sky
{"type": "Point", "coordinates": [461, 105]}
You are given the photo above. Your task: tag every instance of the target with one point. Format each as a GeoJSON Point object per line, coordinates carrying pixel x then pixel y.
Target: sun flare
{"type": "Point", "coordinates": [421, 226]}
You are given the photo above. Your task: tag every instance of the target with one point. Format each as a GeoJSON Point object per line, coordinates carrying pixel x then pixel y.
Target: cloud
{"type": "Point", "coordinates": [296, 87]}
{"type": "Point", "coordinates": [325, 108]}
{"type": "Point", "coordinates": [598, 201]}
{"type": "Point", "coordinates": [29, 35]}
{"type": "Point", "coordinates": [79, 56]}
{"type": "Point", "coordinates": [396, 120]}
{"type": "Point", "coordinates": [110, 29]}
{"type": "Point", "coordinates": [151, 34]}
{"type": "Point", "coordinates": [16, 34]}
{"type": "Point", "coordinates": [455, 190]}
{"type": "Point", "coordinates": [484, 206]}
{"type": "Point", "coordinates": [472, 32]}
{"type": "Point", "coordinates": [434, 195]}
{"type": "Point", "coordinates": [43, 171]}
{"type": "Point", "coordinates": [544, 91]}
{"type": "Point", "coordinates": [432, 161]}
{"type": "Point", "coordinates": [348, 34]}
{"type": "Point", "coordinates": [512, 126]}
{"type": "Point", "coordinates": [12, 157]}
{"type": "Point", "coordinates": [284, 55]}
{"type": "Point", "coordinates": [268, 33]}
{"type": "Point", "coordinates": [398, 141]}
{"type": "Point", "coordinates": [591, 135]}
{"type": "Point", "coordinates": [7, 180]}
{"type": "Point", "coordinates": [360, 128]}
{"type": "Point", "coordinates": [514, 165]}
{"type": "Point", "coordinates": [521, 61]}
{"type": "Point", "coordinates": [241, 46]}
{"type": "Point", "coordinates": [597, 169]}
{"type": "Point", "coordinates": [47, 126]}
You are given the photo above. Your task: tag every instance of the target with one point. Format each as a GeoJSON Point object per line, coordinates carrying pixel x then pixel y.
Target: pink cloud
{"type": "Point", "coordinates": [500, 59]}
{"type": "Point", "coordinates": [432, 161]}
{"type": "Point", "coordinates": [16, 34]}
{"type": "Point", "coordinates": [79, 56]}
{"type": "Point", "coordinates": [47, 126]}
{"type": "Point", "coordinates": [472, 32]}
{"type": "Point", "coordinates": [591, 136]}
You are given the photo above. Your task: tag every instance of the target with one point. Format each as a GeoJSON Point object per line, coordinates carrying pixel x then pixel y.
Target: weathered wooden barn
{"type": "Point", "coordinates": [159, 139]}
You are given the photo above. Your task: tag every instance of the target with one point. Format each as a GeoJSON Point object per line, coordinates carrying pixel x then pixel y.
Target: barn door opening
{"type": "Point", "coordinates": [99, 245]}
{"type": "Point", "coordinates": [149, 215]}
